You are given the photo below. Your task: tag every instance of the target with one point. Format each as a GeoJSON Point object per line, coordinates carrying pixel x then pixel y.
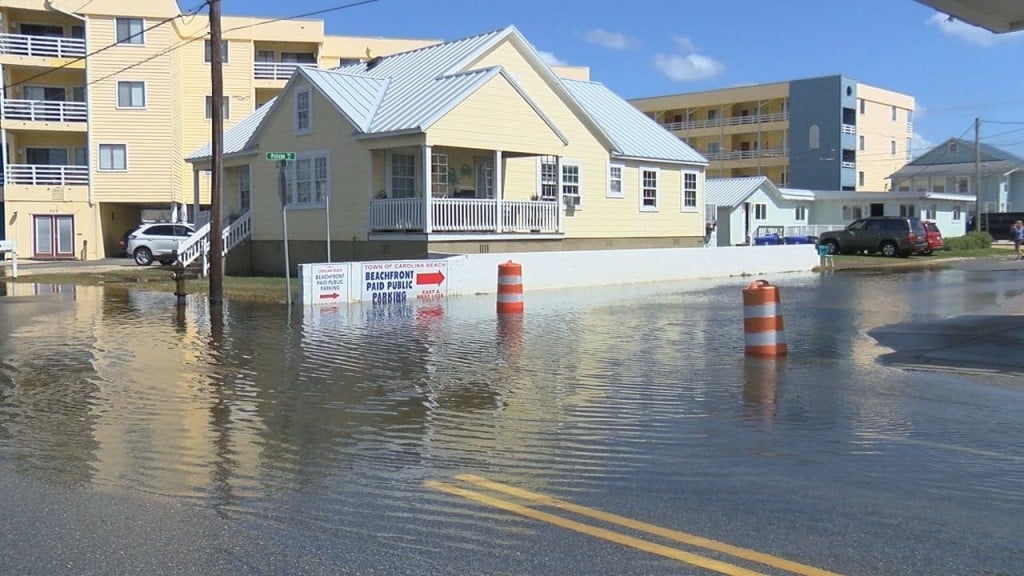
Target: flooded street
{"type": "Point", "coordinates": [135, 438]}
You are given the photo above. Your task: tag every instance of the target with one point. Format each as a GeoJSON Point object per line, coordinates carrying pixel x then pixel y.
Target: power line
{"type": "Point", "coordinates": [75, 60]}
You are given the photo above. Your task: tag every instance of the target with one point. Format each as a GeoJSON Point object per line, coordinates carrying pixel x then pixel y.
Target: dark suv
{"type": "Point", "coordinates": [890, 235]}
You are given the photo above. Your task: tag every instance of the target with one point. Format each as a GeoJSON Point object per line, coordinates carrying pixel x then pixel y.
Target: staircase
{"type": "Point", "coordinates": [198, 244]}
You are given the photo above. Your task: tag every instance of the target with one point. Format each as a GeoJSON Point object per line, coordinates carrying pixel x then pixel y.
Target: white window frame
{"type": "Point", "coordinates": [893, 115]}
{"type": "Point", "coordinates": [121, 105]}
{"type": "Point", "coordinates": [683, 190]}
{"type": "Point", "coordinates": [643, 187]}
{"type": "Point", "coordinates": [892, 147]}
{"type": "Point", "coordinates": [576, 199]}
{"type": "Point", "coordinates": [930, 211]}
{"type": "Point", "coordinates": [956, 214]}
{"type": "Point", "coordinates": [208, 52]}
{"type": "Point", "coordinates": [245, 188]}
{"type": "Point", "coordinates": [620, 179]}
{"type": "Point", "coordinates": [111, 145]}
{"type": "Point", "coordinates": [800, 214]}
{"type": "Point", "coordinates": [760, 212]}
{"type": "Point", "coordinates": [225, 107]}
{"type": "Point", "coordinates": [860, 178]}
{"type": "Point", "coordinates": [439, 175]}
{"type": "Point", "coordinates": [299, 129]}
{"type": "Point", "coordinates": [861, 142]}
{"type": "Point", "coordinates": [547, 181]}
{"type": "Point", "coordinates": [312, 177]}
{"type": "Point", "coordinates": [138, 39]}
{"type": "Point", "coordinates": [391, 190]}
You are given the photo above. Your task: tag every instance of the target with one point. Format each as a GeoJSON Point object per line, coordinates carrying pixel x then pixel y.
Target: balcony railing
{"type": "Point", "coordinates": [45, 46]}
{"type": "Point", "coordinates": [46, 175]}
{"type": "Point", "coordinates": [748, 154]}
{"type": "Point", "coordinates": [811, 229]}
{"type": "Point", "coordinates": [276, 70]}
{"type": "Point", "coordinates": [44, 111]}
{"type": "Point", "coordinates": [464, 215]}
{"type": "Point", "coordinates": [851, 165]}
{"type": "Point", "coordinates": [849, 129]}
{"type": "Point", "coordinates": [731, 121]}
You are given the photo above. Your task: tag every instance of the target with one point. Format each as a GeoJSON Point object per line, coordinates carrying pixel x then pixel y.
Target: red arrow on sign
{"type": "Point", "coordinates": [434, 278]}
{"type": "Point", "coordinates": [330, 296]}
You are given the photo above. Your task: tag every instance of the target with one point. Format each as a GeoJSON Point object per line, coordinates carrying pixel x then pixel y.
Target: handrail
{"type": "Point", "coordinates": [44, 110]}
{"type": "Point", "coordinates": [748, 154]}
{"type": "Point", "coordinates": [44, 46]}
{"type": "Point", "coordinates": [198, 244]}
{"type": "Point", "coordinates": [277, 70]}
{"type": "Point", "coordinates": [730, 121]}
{"type": "Point", "coordinates": [46, 174]}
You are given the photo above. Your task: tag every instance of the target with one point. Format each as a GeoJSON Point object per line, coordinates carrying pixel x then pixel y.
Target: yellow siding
{"type": "Point", "coordinates": [22, 202]}
{"type": "Point", "coordinates": [484, 120]}
{"type": "Point", "coordinates": [879, 131]}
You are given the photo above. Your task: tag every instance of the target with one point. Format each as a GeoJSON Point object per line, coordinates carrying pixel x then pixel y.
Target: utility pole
{"type": "Point", "coordinates": [977, 174]}
{"type": "Point", "coordinates": [217, 162]}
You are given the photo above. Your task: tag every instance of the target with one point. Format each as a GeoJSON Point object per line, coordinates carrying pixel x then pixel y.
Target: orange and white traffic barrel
{"type": "Point", "coordinates": [763, 333]}
{"type": "Point", "coordinates": [510, 288]}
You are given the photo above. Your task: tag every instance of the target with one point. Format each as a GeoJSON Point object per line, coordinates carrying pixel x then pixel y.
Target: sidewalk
{"type": "Point", "coordinates": [34, 267]}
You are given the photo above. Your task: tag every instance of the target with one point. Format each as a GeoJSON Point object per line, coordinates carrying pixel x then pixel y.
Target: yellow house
{"type": "Point", "coordinates": [90, 146]}
{"type": "Point", "coordinates": [469, 146]}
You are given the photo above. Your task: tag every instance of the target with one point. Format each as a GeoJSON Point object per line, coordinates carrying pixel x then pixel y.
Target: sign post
{"type": "Point", "coordinates": [282, 159]}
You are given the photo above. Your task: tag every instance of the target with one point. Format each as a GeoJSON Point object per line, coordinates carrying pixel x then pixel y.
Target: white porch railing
{"type": "Point", "coordinates": [46, 175]}
{"type": "Point", "coordinates": [811, 229]}
{"type": "Point", "coordinates": [464, 215]}
{"type": "Point", "coordinates": [849, 129]}
{"type": "Point", "coordinates": [277, 70]}
{"type": "Point", "coordinates": [45, 111]}
{"type": "Point", "coordinates": [748, 154]}
{"type": "Point", "coordinates": [45, 46]}
{"type": "Point", "coordinates": [845, 164]}
{"type": "Point", "coordinates": [198, 244]}
{"type": "Point", "coordinates": [731, 121]}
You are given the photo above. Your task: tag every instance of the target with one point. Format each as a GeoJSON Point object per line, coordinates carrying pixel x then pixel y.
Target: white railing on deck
{"type": "Point", "coordinates": [748, 154]}
{"type": "Point", "coordinates": [731, 121]}
{"type": "Point", "coordinates": [811, 229]}
{"type": "Point", "coordinates": [396, 214]}
{"type": "Point", "coordinates": [46, 175]}
{"type": "Point", "coordinates": [529, 216]}
{"type": "Point", "coordinates": [198, 244]}
{"type": "Point", "coordinates": [849, 129]}
{"type": "Point", "coordinates": [277, 70]}
{"type": "Point", "coordinates": [44, 111]}
{"type": "Point", "coordinates": [45, 46]}
{"type": "Point", "coordinates": [464, 215]}
{"type": "Point", "coordinates": [845, 164]}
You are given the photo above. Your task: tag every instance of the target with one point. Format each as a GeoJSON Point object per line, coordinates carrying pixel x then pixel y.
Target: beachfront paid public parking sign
{"type": "Point", "coordinates": [403, 280]}
{"type": "Point", "coordinates": [324, 284]}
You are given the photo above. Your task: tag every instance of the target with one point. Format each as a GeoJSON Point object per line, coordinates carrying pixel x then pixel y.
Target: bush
{"type": "Point", "coordinates": [972, 241]}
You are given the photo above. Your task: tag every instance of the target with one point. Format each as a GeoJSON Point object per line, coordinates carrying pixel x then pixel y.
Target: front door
{"type": "Point", "coordinates": [53, 236]}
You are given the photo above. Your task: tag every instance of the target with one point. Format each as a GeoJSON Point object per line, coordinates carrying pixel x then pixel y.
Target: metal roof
{"type": "Point", "coordinates": [733, 191]}
{"type": "Point", "coordinates": [357, 97]}
{"type": "Point", "coordinates": [865, 196]}
{"type": "Point", "coordinates": [236, 138]}
{"type": "Point", "coordinates": [633, 133]}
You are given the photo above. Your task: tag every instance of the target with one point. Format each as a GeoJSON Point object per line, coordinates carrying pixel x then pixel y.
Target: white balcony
{"type": "Point", "coordinates": [46, 175]}
{"type": "Point", "coordinates": [849, 129]}
{"type": "Point", "coordinates": [850, 165]}
{"type": "Point", "coordinates": [44, 111]}
{"type": "Point", "coordinates": [44, 46]}
{"type": "Point", "coordinates": [276, 70]}
{"type": "Point", "coordinates": [731, 121]}
{"type": "Point", "coordinates": [748, 154]}
{"type": "Point", "coordinates": [464, 215]}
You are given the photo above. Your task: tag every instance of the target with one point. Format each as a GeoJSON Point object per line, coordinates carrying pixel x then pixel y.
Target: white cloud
{"type": "Point", "coordinates": [968, 32]}
{"type": "Point", "coordinates": [919, 144]}
{"type": "Point", "coordinates": [550, 59]}
{"type": "Point", "coordinates": [611, 40]}
{"type": "Point", "coordinates": [687, 65]}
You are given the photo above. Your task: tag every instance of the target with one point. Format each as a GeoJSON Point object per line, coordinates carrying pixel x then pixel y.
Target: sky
{"type": "Point", "coordinates": [956, 72]}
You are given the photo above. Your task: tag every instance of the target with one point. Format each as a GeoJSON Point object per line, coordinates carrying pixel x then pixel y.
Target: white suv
{"type": "Point", "coordinates": [156, 241]}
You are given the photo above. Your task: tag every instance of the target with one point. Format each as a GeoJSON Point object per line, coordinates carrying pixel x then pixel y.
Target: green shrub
{"type": "Point", "coordinates": [972, 241]}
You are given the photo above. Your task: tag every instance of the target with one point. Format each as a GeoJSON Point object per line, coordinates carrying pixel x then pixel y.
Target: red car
{"type": "Point", "coordinates": [933, 238]}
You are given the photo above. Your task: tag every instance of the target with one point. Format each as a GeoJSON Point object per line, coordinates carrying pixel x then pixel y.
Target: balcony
{"type": "Point", "coordinates": [44, 111]}
{"type": "Point", "coordinates": [747, 154]}
{"type": "Point", "coordinates": [277, 70]}
{"type": "Point", "coordinates": [464, 215]}
{"type": "Point", "coordinates": [46, 175]}
{"type": "Point", "coordinates": [42, 46]}
{"type": "Point", "coordinates": [731, 121]}
{"type": "Point", "coordinates": [849, 129]}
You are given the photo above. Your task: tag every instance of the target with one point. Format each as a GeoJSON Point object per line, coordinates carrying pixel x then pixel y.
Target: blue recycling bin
{"type": "Point", "coordinates": [798, 240]}
{"type": "Point", "coordinates": [770, 240]}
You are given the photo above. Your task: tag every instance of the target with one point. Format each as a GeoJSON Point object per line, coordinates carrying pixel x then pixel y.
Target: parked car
{"type": "Point", "coordinates": [889, 235]}
{"type": "Point", "coordinates": [932, 237]}
{"type": "Point", "coordinates": [156, 241]}
{"type": "Point", "coordinates": [997, 224]}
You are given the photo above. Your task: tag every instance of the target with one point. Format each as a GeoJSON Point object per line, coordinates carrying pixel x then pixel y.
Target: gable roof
{"type": "Point", "coordinates": [236, 138]}
{"type": "Point", "coordinates": [633, 133]}
{"type": "Point", "coordinates": [733, 191]}
{"type": "Point", "coordinates": [956, 157]}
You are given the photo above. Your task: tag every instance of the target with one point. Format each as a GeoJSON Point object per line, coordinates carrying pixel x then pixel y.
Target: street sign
{"type": "Point", "coordinates": [324, 284]}
{"type": "Point", "coordinates": [399, 281]}
{"type": "Point", "coordinates": [278, 156]}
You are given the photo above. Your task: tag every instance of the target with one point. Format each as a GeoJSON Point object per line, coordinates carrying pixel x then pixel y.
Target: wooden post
{"type": "Point", "coordinates": [217, 161]}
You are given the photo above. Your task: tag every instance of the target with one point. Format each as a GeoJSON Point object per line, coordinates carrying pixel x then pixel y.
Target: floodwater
{"type": "Point", "coordinates": [138, 438]}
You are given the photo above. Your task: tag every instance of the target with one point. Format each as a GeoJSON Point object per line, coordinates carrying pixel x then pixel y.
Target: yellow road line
{"type": "Point", "coordinates": [643, 545]}
{"type": "Point", "coordinates": [675, 535]}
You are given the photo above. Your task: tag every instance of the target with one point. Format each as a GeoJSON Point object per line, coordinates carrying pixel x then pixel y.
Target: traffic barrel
{"type": "Point", "coordinates": [510, 288]}
{"type": "Point", "coordinates": [763, 334]}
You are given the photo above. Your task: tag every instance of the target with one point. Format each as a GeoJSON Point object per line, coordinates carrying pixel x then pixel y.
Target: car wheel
{"type": "Point", "coordinates": [143, 256]}
{"type": "Point", "coordinates": [832, 246]}
{"type": "Point", "coordinates": [889, 249]}
{"type": "Point", "coordinates": [927, 252]}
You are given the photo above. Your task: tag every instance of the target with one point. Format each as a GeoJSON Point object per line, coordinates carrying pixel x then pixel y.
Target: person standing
{"type": "Point", "coordinates": [1018, 239]}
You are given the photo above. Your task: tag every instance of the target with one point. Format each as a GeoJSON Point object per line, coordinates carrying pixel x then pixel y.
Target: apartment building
{"type": "Point", "coordinates": [88, 146]}
{"type": "Point", "coordinates": [828, 133]}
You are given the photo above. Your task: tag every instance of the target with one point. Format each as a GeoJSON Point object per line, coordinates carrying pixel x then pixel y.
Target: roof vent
{"type": "Point", "coordinates": [372, 62]}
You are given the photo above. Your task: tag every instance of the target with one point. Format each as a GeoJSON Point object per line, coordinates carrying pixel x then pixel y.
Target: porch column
{"type": "Point", "coordinates": [499, 226]}
{"type": "Point", "coordinates": [428, 194]}
{"type": "Point", "coordinates": [3, 133]}
{"type": "Point", "coordinates": [195, 195]}
{"type": "Point", "coordinates": [558, 195]}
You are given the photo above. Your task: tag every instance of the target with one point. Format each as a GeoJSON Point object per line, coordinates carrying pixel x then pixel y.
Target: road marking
{"type": "Point", "coordinates": [669, 534]}
{"type": "Point", "coordinates": [643, 545]}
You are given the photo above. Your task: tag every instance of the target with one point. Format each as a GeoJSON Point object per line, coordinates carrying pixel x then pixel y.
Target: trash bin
{"type": "Point", "coordinates": [771, 240]}
{"type": "Point", "coordinates": [798, 240]}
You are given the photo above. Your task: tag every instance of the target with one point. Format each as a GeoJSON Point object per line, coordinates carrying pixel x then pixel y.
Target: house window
{"type": "Point", "coordinates": [801, 214]}
{"type": "Point", "coordinates": [439, 174]}
{"type": "Point", "coordinates": [861, 105]}
{"type": "Point", "coordinates": [128, 31]}
{"type": "Point", "coordinates": [853, 212]}
{"type": "Point", "coordinates": [403, 176]}
{"type": "Point", "coordinates": [223, 51]}
{"type": "Point", "coordinates": [303, 109]}
{"type": "Point", "coordinates": [907, 211]}
{"type": "Point", "coordinates": [713, 114]}
{"type": "Point", "coordinates": [714, 147]}
{"type": "Point", "coordinates": [760, 211]}
{"type": "Point", "coordinates": [689, 191]}
{"type": "Point", "coordinates": [860, 178]}
{"type": "Point", "coordinates": [953, 148]}
{"type": "Point", "coordinates": [784, 178]}
{"type": "Point", "coordinates": [131, 94]}
{"type": "Point", "coordinates": [548, 184]}
{"type": "Point", "coordinates": [648, 188]}
{"type": "Point", "coordinates": [938, 185]}
{"type": "Point", "coordinates": [903, 185]}
{"type": "Point", "coordinates": [930, 211]}
{"type": "Point", "coordinates": [225, 107]}
{"type": "Point", "coordinates": [861, 142]}
{"type": "Point", "coordinates": [615, 180]}
{"type": "Point", "coordinates": [956, 213]}
{"type": "Point", "coordinates": [892, 147]}
{"type": "Point", "coordinates": [571, 183]}
{"type": "Point", "coordinates": [78, 93]}
{"type": "Point", "coordinates": [113, 157]}
{"type": "Point", "coordinates": [244, 189]}
{"type": "Point", "coordinates": [298, 58]}
{"type": "Point", "coordinates": [308, 185]}
{"type": "Point", "coordinates": [962, 185]}
{"type": "Point", "coordinates": [349, 61]}
{"type": "Point", "coordinates": [81, 156]}
{"type": "Point", "coordinates": [893, 113]}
